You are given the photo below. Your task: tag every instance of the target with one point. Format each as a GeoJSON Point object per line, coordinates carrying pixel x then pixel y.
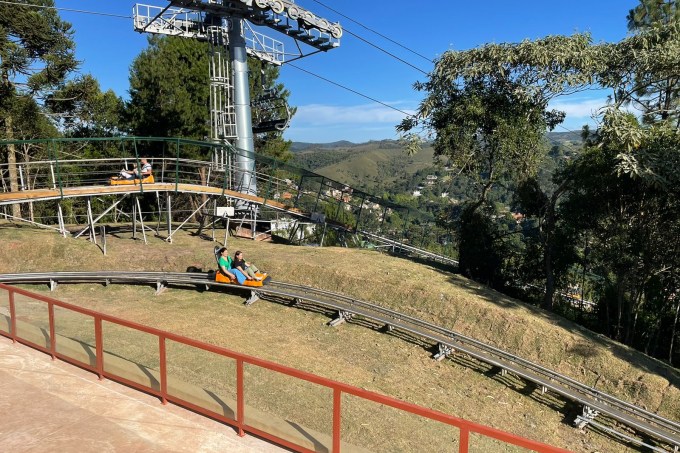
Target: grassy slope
{"type": "Point", "coordinates": [360, 356]}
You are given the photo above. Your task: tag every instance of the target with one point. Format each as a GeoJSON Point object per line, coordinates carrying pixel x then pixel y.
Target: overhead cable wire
{"type": "Point", "coordinates": [65, 9]}
{"type": "Point", "coordinates": [374, 31]}
{"type": "Point", "coordinates": [348, 89]}
{"type": "Point", "coordinates": [289, 64]}
{"type": "Point", "coordinates": [385, 51]}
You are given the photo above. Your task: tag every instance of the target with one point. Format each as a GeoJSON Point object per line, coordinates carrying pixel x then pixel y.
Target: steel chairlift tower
{"type": "Point", "coordinates": [229, 26]}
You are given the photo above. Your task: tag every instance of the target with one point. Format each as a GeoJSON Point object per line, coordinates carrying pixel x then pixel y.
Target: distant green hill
{"type": "Point", "coordinates": [372, 166]}
{"type": "Point", "coordinates": [383, 166]}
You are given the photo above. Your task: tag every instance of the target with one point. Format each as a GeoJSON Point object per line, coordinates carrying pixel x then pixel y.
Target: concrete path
{"type": "Point", "coordinates": [51, 406]}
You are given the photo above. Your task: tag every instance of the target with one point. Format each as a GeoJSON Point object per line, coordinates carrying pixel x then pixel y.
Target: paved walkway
{"type": "Point", "coordinates": [51, 406]}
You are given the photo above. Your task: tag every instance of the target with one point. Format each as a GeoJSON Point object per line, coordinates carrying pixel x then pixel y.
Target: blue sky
{"type": "Point", "coordinates": [107, 46]}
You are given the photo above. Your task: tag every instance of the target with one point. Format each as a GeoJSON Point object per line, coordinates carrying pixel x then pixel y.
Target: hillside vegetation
{"type": "Point", "coordinates": [371, 166]}
{"type": "Point", "coordinates": [384, 166]}
{"type": "Point", "coordinates": [388, 364]}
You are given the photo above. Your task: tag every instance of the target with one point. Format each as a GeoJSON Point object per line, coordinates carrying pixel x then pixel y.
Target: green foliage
{"type": "Point", "coordinates": [610, 211]}
{"type": "Point", "coordinates": [84, 110]}
{"type": "Point", "coordinates": [169, 89]}
{"type": "Point", "coordinates": [651, 12]}
{"type": "Point", "coordinates": [488, 245]}
{"type": "Point", "coordinates": [35, 47]}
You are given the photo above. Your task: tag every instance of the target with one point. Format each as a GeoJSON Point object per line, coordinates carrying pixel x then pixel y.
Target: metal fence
{"type": "Point", "coordinates": [32, 319]}
{"type": "Point", "coordinates": [67, 163]}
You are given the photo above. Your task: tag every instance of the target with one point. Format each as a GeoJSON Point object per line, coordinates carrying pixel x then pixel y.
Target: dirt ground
{"type": "Point", "coordinates": [385, 363]}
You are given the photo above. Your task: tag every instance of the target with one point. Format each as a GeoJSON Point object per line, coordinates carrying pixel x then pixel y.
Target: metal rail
{"type": "Point", "coordinates": [594, 401]}
{"type": "Point", "coordinates": [77, 178]}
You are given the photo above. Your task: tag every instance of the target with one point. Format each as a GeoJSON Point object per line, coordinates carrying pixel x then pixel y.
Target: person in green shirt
{"type": "Point", "coordinates": [225, 263]}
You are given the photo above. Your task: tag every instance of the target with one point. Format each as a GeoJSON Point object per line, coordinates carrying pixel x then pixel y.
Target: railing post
{"type": "Point", "coordinates": [240, 405]}
{"type": "Point", "coordinates": [464, 440]}
{"type": "Point", "coordinates": [12, 317]}
{"type": "Point", "coordinates": [177, 168]}
{"type": "Point", "coordinates": [53, 338]}
{"type": "Point", "coordinates": [163, 370]}
{"type": "Point", "coordinates": [139, 166]}
{"type": "Point", "coordinates": [318, 195]}
{"type": "Point", "coordinates": [21, 177]}
{"type": "Point", "coordinates": [337, 397]}
{"type": "Point", "coordinates": [99, 346]}
{"type": "Point", "coordinates": [56, 163]}
{"type": "Point", "coordinates": [54, 180]}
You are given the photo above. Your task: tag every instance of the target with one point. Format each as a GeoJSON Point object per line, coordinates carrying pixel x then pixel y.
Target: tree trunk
{"type": "Point", "coordinates": [12, 165]}
{"type": "Point", "coordinates": [675, 327]}
{"type": "Point", "coordinates": [549, 280]}
{"type": "Point", "coordinates": [548, 228]}
{"type": "Point", "coordinates": [619, 307]}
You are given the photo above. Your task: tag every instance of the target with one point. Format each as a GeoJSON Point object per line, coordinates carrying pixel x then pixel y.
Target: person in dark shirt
{"type": "Point", "coordinates": [248, 269]}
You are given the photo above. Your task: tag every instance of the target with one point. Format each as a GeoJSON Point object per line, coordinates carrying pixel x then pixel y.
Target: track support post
{"type": "Point", "coordinates": [341, 318]}
{"type": "Point", "coordinates": [587, 416]}
{"type": "Point", "coordinates": [254, 297]}
{"type": "Point", "coordinates": [443, 352]}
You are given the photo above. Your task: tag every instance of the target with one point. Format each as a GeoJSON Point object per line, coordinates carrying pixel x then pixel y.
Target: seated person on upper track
{"type": "Point", "coordinates": [135, 173]}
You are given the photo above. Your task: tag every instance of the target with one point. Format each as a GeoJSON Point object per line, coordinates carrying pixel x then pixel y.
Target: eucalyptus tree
{"type": "Point", "coordinates": [464, 88]}
{"type": "Point", "coordinates": [488, 108]}
{"type": "Point", "coordinates": [36, 56]}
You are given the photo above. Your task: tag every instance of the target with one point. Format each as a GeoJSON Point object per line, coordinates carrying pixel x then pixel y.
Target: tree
{"type": "Point", "coordinates": [36, 56]}
{"type": "Point", "coordinates": [82, 110]}
{"type": "Point", "coordinates": [488, 109]}
{"type": "Point", "coordinates": [633, 224]}
{"type": "Point", "coordinates": [170, 90]}
{"type": "Point", "coordinates": [656, 97]}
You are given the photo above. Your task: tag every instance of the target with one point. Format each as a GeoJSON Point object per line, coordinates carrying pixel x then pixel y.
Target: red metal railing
{"type": "Point", "coordinates": [465, 427]}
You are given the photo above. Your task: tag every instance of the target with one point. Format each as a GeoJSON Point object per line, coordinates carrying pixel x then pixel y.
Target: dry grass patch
{"type": "Point", "coordinates": [389, 364]}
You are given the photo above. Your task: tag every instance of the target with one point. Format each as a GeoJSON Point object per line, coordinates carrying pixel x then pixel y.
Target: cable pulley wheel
{"type": "Point", "coordinates": [336, 31]}
{"type": "Point", "coordinates": [277, 6]}
{"type": "Point", "coordinates": [293, 12]}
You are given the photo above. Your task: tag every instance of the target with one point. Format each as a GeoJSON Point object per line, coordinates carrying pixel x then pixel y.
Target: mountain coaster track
{"type": "Point", "coordinates": [593, 401]}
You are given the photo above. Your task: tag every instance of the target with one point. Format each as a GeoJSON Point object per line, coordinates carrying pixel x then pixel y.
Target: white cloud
{"type": "Point", "coordinates": [579, 108]}
{"type": "Point", "coordinates": [317, 123]}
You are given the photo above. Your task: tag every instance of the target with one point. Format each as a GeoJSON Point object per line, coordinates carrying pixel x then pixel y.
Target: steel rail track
{"type": "Point", "coordinates": [596, 401]}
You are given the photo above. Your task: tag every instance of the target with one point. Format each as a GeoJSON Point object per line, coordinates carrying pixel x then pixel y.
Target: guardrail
{"type": "Point", "coordinates": [593, 401]}
{"type": "Point", "coordinates": [164, 391]}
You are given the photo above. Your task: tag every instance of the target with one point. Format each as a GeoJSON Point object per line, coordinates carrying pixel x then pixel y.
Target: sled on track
{"type": "Point", "coordinates": [115, 181]}
{"type": "Point", "coordinates": [220, 277]}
